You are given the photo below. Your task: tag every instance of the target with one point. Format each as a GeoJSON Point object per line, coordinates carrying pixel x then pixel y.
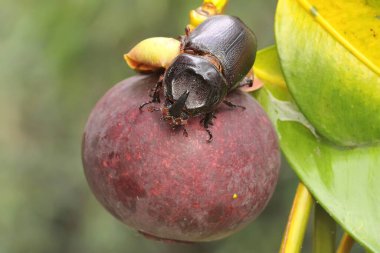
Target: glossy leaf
{"type": "Point", "coordinates": [330, 55]}
{"type": "Point", "coordinates": [344, 181]}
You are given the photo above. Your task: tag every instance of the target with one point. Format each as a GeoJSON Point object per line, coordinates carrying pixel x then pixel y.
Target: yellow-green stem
{"type": "Point", "coordinates": [346, 244]}
{"type": "Point", "coordinates": [297, 222]}
{"type": "Point", "coordinates": [324, 231]}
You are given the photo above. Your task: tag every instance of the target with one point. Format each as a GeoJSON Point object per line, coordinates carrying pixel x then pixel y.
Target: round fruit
{"type": "Point", "coordinates": [171, 187]}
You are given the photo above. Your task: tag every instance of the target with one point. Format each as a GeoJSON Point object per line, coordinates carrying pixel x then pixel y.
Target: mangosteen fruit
{"type": "Point", "coordinates": [171, 187]}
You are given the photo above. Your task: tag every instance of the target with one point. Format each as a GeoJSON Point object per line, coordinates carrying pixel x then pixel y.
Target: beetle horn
{"type": "Point", "coordinates": [176, 109]}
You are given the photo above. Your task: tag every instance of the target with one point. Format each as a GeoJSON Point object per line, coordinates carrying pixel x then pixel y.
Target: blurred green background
{"type": "Point", "coordinates": [57, 58]}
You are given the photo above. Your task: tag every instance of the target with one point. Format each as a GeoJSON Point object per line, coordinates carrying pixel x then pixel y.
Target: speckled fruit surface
{"type": "Point", "coordinates": [172, 187]}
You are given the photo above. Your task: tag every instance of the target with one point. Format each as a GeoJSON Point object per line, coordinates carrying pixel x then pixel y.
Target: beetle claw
{"type": "Point", "coordinates": [185, 132]}
{"type": "Point", "coordinates": [210, 135]}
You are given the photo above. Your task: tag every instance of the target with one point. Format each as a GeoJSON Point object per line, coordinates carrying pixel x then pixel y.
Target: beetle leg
{"type": "Point", "coordinates": [155, 92]}
{"type": "Point", "coordinates": [155, 95]}
{"type": "Point", "coordinates": [206, 121]}
{"type": "Point", "coordinates": [247, 81]}
{"type": "Point", "coordinates": [203, 120]}
{"type": "Point", "coordinates": [182, 38]}
{"type": "Point", "coordinates": [144, 104]}
{"type": "Point", "coordinates": [182, 45]}
{"type": "Point", "coordinates": [185, 132]}
{"type": "Point", "coordinates": [209, 134]}
{"type": "Point", "coordinates": [187, 31]}
{"type": "Point", "coordinates": [228, 103]}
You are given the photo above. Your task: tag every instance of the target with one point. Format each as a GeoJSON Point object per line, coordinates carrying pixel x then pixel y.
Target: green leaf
{"type": "Point", "coordinates": [345, 182]}
{"type": "Point", "coordinates": [330, 55]}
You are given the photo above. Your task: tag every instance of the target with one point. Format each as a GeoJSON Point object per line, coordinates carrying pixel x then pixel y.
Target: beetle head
{"type": "Point", "coordinates": [194, 84]}
{"type": "Point", "coordinates": [174, 112]}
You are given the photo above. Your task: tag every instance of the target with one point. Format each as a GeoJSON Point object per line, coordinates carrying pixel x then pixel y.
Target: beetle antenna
{"type": "Point", "coordinates": [176, 109]}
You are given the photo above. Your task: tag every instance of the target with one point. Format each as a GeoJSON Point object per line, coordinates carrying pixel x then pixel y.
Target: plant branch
{"type": "Point", "coordinates": [346, 244]}
{"type": "Point", "coordinates": [297, 222]}
{"type": "Point", "coordinates": [324, 231]}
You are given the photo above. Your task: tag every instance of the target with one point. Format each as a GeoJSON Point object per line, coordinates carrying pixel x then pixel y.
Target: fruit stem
{"type": "Point", "coordinates": [324, 231]}
{"type": "Point", "coordinates": [346, 244]}
{"type": "Point", "coordinates": [297, 222]}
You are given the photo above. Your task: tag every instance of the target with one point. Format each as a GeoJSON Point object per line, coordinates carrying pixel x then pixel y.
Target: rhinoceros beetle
{"type": "Point", "coordinates": [214, 59]}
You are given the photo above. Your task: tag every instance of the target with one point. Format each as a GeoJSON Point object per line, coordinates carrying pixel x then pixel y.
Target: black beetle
{"type": "Point", "coordinates": [214, 60]}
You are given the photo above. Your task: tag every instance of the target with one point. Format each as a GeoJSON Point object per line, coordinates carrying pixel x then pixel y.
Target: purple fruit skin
{"type": "Point", "coordinates": [171, 187]}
